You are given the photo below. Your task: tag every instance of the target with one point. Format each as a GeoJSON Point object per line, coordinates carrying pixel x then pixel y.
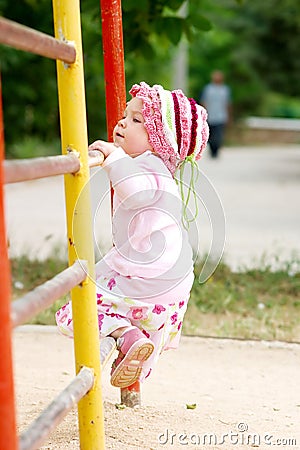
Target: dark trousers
{"type": "Point", "coordinates": [216, 136]}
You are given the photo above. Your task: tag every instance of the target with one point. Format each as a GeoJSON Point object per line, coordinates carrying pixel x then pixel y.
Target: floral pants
{"type": "Point", "coordinates": [159, 322]}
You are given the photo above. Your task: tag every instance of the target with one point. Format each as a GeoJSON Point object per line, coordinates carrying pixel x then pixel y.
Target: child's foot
{"type": "Point", "coordinates": [134, 349]}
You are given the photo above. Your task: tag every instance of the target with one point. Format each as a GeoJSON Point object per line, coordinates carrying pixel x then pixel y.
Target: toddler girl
{"type": "Point", "coordinates": [144, 281]}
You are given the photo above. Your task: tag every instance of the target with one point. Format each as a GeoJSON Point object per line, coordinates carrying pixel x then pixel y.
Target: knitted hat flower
{"type": "Point", "coordinates": [176, 125]}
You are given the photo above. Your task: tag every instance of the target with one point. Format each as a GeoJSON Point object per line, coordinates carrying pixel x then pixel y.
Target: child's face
{"type": "Point", "coordinates": [130, 132]}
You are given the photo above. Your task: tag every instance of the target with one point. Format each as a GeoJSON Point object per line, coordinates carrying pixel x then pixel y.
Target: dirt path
{"type": "Point", "coordinates": [236, 385]}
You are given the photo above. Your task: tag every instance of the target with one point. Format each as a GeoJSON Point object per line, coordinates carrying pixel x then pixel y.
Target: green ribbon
{"type": "Point", "coordinates": [191, 193]}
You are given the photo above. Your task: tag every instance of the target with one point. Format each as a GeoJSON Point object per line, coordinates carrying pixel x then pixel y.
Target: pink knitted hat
{"type": "Point", "coordinates": [176, 125]}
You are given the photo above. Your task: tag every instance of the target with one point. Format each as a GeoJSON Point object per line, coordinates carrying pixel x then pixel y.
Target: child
{"type": "Point", "coordinates": [144, 281]}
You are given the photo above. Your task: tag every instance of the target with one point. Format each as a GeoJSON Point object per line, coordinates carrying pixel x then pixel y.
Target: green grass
{"type": "Point", "coordinates": [27, 274]}
{"type": "Point", "coordinates": [256, 303]}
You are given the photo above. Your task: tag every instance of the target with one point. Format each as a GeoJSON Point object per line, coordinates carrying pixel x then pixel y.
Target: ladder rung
{"type": "Point", "coordinates": [17, 170]}
{"type": "Point", "coordinates": [40, 429]}
{"type": "Point", "coordinates": [33, 168]}
{"type": "Point", "coordinates": [107, 347]}
{"type": "Point", "coordinates": [43, 296]}
{"type": "Point", "coordinates": [30, 40]}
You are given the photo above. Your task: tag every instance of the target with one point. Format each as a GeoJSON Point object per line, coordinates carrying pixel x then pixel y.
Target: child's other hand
{"type": "Point", "coordinates": [105, 147]}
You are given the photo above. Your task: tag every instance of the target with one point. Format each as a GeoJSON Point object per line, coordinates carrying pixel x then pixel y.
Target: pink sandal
{"type": "Point", "coordinates": [134, 349]}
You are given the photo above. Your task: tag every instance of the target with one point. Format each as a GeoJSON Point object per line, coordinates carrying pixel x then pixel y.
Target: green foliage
{"type": "Point", "coordinates": [273, 28]}
{"type": "Point", "coordinates": [260, 303]}
{"type": "Point", "coordinates": [29, 81]}
{"type": "Point", "coordinates": [240, 292]}
{"type": "Point", "coordinates": [149, 19]}
{"type": "Point", "coordinates": [93, 70]}
{"type": "Point", "coordinates": [28, 274]}
{"type": "Point", "coordinates": [32, 272]}
{"type": "Point", "coordinates": [33, 146]}
{"type": "Point", "coordinates": [278, 105]}
{"type": "Point", "coordinates": [255, 43]}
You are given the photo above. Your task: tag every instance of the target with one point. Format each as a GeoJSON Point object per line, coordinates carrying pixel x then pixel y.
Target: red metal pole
{"type": "Point", "coordinates": [115, 91]}
{"type": "Point", "coordinates": [131, 396]}
{"type": "Point", "coordinates": [113, 54]}
{"type": "Point", "coordinates": [8, 435]}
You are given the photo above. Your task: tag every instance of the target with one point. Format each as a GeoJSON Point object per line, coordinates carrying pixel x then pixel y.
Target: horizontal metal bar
{"type": "Point", "coordinates": [33, 168]}
{"type": "Point", "coordinates": [107, 347]}
{"type": "Point", "coordinates": [39, 430]}
{"type": "Point", "coordinates": [43, 296]}
{"type": "Point", "coordinates": [30, 40]}
{"type": "Point", "coordinates": [17, 170]}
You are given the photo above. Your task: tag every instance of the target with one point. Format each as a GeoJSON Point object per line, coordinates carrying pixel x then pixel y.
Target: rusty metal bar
{"type": "Point", "coordinates": [43, 296]}
{"type": "Point", "coordinates": [17, 170]}
{"type": "Point", "coordinates": [30, 40]}
{"type": "Point", "coordinates": [107, 347]}
{"type": "Point", "coordinates": [40, 429]}
{"type": "Point", "coordinates": [34, 168]}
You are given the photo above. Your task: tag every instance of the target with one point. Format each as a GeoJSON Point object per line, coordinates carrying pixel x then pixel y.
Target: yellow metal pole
{"type": "Point", "coordinates": [79, 222]}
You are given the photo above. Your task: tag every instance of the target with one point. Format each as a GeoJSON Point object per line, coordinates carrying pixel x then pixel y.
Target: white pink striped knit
{"type": "Point", "coordinates": [176, 125]}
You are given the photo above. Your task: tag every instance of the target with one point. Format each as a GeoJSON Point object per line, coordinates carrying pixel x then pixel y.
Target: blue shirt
{"type": "Point", "coordinates": [216, 98]}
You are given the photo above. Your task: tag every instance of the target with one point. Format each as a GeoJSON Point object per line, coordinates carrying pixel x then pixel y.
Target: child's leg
{"type": "Point", "coordinates": [142, 330]}
{"type": "Point", "coordinates": [134, 349]}
{"type": "Point", "coordinates": [108, 324]}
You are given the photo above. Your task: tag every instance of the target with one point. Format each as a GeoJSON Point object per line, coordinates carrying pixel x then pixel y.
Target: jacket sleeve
{"type": "Point", "coordinates": [135, 184]}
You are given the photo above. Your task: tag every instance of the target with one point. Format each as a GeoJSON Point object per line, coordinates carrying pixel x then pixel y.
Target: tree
{"type": "Point", "coordinates": [256, 44]}
{"type": "Point", "coordinates": [273, 27]}
{"type": "Point", "coordinates": [29, 83]}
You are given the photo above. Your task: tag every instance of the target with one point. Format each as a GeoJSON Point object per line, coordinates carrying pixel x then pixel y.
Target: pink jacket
{"type": "Point", "coordinates": [149, 239]}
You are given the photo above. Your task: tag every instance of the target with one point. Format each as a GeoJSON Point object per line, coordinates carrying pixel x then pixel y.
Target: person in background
{"type": "Point", "coordinates": [216, 98]}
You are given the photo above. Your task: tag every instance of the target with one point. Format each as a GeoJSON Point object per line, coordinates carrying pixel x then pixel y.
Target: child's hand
{"type": "Point", "coordinates": [104, 147]}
